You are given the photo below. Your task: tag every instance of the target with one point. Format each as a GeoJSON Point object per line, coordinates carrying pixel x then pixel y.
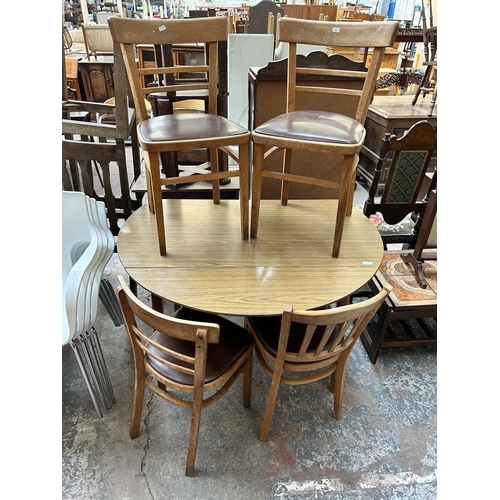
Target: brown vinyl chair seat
{"type": "Point", "coordinates": [163, 132]}
{"type": "Point", "coordinates": [314, 126]}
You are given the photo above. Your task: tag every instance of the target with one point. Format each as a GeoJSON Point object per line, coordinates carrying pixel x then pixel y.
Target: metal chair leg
{"type": "Point", "coordinates": [83, 370]}
{"type": "Point", "coordinates": [91, 363]}
{"type": "Point", "coordinates": [104, 368]}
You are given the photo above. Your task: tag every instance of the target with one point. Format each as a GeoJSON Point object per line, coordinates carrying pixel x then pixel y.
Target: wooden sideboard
{"type": "Point", "coordinates": [394, 115]}
{"type": "Point", "coordinates": [97, 78]}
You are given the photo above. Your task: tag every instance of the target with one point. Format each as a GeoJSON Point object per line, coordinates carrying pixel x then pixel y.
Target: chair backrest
{"type": "Point", "coordinates": [330, 333]}
{"type": "Point", "coordinates": [184, 362]}
{"type": "Point", "coordinates": [411, 156]}
{"type": "Point", "coordinates": [80, 256]}
{"type": "Point", "coordinates": [209, 31]}
{"type": "Point", "coordinates": [375, 35]}
{"type": "Point", "coordinates": [97, 39]}
{"type": "Point", "coordinates": [258, 17]}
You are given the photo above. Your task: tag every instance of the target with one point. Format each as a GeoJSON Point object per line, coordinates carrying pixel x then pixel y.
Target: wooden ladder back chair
{"type": "Point", "coordinates": [305, 346]}
{"type": "Point", "coordinates": [426, 244]}
{"type": "Point", "coordinates": [429, 33]}
{"type": "Point", "coordinates": [186, 131]}
{"type": "Point", "coordinates": [193, 353]}
{"type": "Point", "coordinates": [320, 130]}
{"type": "Point", "coordinates": [412, 154]}
{"type": "Point", "coordinates": [79, 148]}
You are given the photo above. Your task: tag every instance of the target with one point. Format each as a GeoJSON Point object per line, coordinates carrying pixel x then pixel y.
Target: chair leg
{"type": "Point", "coordinates": [193, 436]}
{"type": "Point", "coordinates": [91, 371]}
{"type": "Point", "coordinates": [285, 185]}
{"type": "Point", "coordinates": [350, 202]}
{"type": "Point", "coordinates": [121, 161]}
{"type": "Point", "coordinates": [94, 359]}
{"type": "Point", "coordinates": [138, 401]}
{"type": "Point", "coordinates": [271, 401]}
{"type": "Point", "coordinates": [338, 382]}
{"type": "Point", "coordinates": [427, 74]}
{"type": "Point", "coordinates": [244, 165]}
{"type": "Point", "coordinates": [344, 195]}
{"type": "Point", "coordinates": [100, 358]}
{"type": "Point", "coordinates": [258, 158]}
{"type": "Point", "coordinates": [214, 167]}
{"type": "Point", "coordinates": [83, 370]}
{"type": "Point", "coordinates": [149, 186]}
{"type": "Point", "coordinates": [154, 169]}
{"type": "Point", "coordinates": [433, 101]}
{"type": "Point", "coordinates": [247, 380]}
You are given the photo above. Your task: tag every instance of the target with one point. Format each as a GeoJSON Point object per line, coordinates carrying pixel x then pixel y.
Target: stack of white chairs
{"type": "Point", "coordinates": [87, 246]}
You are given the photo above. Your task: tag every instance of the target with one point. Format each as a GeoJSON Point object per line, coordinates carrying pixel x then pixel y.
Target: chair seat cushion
{"type": "Point", "coordinates": [233, 341]}
{"type": "Point", "coordinates": [316, 126]}
{"type": "Point", "coordinates": [187, 126]}
{"type": "Point", "coordinates": [267, 330]}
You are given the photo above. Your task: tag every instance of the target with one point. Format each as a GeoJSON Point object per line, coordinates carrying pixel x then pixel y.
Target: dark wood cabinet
{"type": "Point", "coordinates": [394, 115]}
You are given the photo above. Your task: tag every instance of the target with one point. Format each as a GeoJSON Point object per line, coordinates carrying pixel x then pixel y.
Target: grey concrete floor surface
{"type": "Point", "coordinates": [384, 447]}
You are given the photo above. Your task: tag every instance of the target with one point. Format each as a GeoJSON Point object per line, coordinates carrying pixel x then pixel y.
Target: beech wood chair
{"type": "Point", "coordinates": [194, 353]}
{"type": "Point", "coordinates": [412, 154]}
{"type": "Point", "coordinates": [185, 131]}
{"type": "Point", "coordinates": [426, 244]}
{"type": "Point", "coordinates": [300, 347]}
{"type": "Point", "coordinates": [320, 130]}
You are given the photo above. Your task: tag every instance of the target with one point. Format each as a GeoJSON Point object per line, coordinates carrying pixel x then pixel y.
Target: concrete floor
{"type": "Point", "coordinates": [384, 447]}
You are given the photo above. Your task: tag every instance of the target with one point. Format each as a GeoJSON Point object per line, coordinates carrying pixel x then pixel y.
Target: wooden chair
{"type": "Point", "coordinates": [186, 131]}
{"type": "Point", "coordinates": [97, 40]}
{"type": "Point", "coordinates": [305, 346]}
{"type": "Point", "coordinates": [193, 353]}
{"type": "Point", "coordinates": [426, 244]}
{"type": "Point", "coordinates": [79, 148]}
{"type": "Point", "coordinates": [319, 130]}
{"type": "Point", "coordinates": [401, 195]}
{"type": "Point", "coordinates": [429, 33]}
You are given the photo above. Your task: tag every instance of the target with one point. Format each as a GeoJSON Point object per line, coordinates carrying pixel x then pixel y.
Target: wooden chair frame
{"type": "Point", "coordinates": [210, 31]}
{"type": "Point", "coordinates": [379, 36]}
{"type": "Point", "coordinates": [412, 153]}
{"type": "Point", "coordinates": [97, 40]}
{"type": "Point", "coordinates": [147, 351]}
{"type": "Point", "coordinates": [84, 150]}
{"type": "Point", "coordinates": [333, 332]}
{"type": "Point", "coordinates": [424, 250]}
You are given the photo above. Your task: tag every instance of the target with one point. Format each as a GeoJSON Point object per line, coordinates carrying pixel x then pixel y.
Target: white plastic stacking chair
{"type": "Point", "coordinates": [80, 252]}
{"type": "Point", "coordinates": [83, 258]}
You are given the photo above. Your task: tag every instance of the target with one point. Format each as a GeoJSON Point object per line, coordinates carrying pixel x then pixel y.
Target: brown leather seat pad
{"type": "Point", "coordinates": [186, 126]}
{"type": "Point", "coordinates": [317, 126]}
{"type": "Point", "coordinates": [233, 340]}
